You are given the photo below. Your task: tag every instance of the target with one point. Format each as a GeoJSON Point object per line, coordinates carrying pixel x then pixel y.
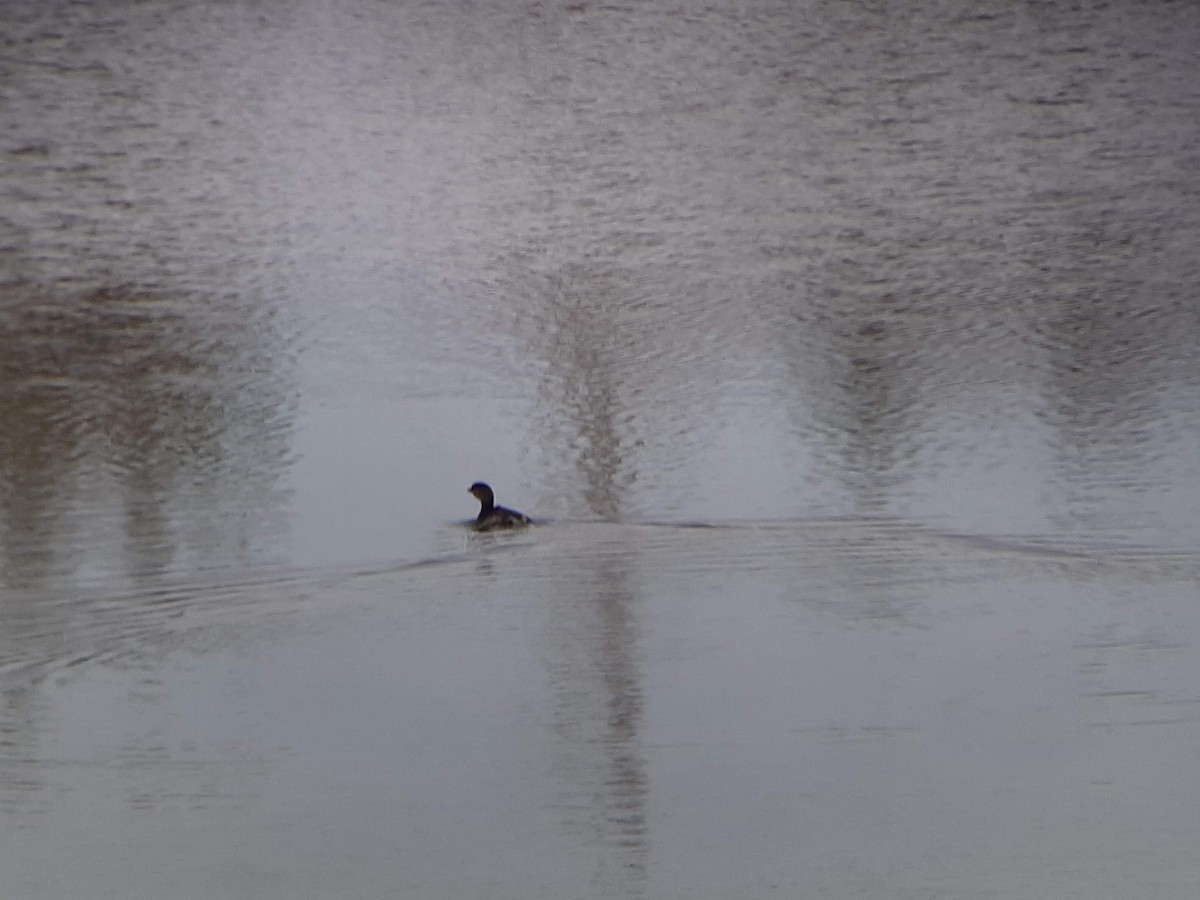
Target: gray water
{"type": "Point", "coordinates": [847, 354]}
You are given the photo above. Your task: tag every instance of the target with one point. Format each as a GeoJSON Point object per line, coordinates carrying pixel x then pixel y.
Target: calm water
{"type": "Point", "coordinates": [850, 353]}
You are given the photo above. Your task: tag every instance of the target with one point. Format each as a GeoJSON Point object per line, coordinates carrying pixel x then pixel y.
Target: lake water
{"type": "Point", "coordinates": [847, 354]}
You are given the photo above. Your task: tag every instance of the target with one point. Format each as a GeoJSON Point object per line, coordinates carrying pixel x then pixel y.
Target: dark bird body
{"type": "Point", "coordinates": [491, 516]}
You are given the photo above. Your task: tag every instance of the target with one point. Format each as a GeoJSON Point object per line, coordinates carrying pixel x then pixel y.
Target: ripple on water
{"type": "Point", "coordinates": [735, 264]}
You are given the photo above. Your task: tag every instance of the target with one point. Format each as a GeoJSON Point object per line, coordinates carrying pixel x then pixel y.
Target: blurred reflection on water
{"type": "Point", "coordinates": [740, 263]}
{"type": "Point", "coordinates": [278, 280]}
{"type": "Point", "coordinates": [136, 440]}
{"type": "Point", "coordinates": [648, 710]}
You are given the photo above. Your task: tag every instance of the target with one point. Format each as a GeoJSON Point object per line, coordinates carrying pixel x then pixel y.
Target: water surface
{"type": "Point", "coordinates": [847, 354]}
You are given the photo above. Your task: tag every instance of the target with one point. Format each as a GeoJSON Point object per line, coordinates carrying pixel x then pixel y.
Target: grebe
{"type": "Point", "coordinates": [492, 516]}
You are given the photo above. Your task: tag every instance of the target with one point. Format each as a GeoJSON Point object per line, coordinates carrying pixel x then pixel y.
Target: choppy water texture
{"type": "Point", "coordinates": [847, 353]}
